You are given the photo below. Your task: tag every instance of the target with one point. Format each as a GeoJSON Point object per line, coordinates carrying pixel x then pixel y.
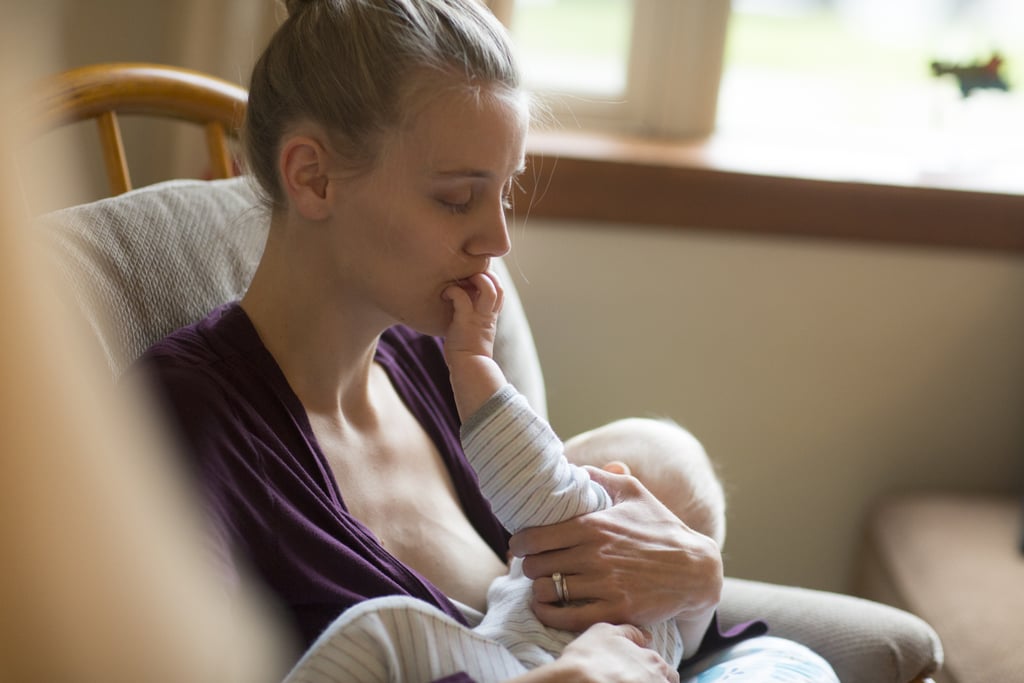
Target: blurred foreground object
{"type": "Point", "coordinates": [108, 573]}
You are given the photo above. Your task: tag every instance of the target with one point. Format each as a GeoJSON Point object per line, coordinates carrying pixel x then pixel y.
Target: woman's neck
{"type": "Point", "coordinates": [322, 343]}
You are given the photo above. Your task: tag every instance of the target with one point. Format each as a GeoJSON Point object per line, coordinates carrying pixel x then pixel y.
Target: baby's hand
{"type": "Point", "coordinates": [469, 342]}
{"type": "Point", "coordinates": [476, 302]}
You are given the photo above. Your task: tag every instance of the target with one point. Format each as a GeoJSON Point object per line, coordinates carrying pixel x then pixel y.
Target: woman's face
{"type": "Point", "coordinates": [431, 211]}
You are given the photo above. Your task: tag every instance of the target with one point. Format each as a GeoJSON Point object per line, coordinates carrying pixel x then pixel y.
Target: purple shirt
{"type": "Point", "coordinates": [271, 490]}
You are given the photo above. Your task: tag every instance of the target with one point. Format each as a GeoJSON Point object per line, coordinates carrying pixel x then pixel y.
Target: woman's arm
{"type": "Point", "coordinates": [634, 562]}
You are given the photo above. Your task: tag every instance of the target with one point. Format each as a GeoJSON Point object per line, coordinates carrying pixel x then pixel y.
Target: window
{"type": "Point", "coordinates": [858, 73]}
{"type": "Point", "coordinates": [588, 61]}
{"type": "Point", "coordinates": [646, 66]}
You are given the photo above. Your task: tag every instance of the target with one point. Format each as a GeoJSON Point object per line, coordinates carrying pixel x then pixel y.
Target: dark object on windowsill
{"type": "Point", "coordinates": [975, 75]}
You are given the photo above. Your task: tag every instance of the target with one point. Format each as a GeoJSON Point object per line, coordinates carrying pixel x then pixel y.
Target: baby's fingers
{"type": "Point", "coordinates": [459, 297]}
{"type": "Point", "coordinates": [490, 293]}
{"type": "Point", "coordinates": [499, 300]}
{"type": "Point", "coordinates": [480, 291]}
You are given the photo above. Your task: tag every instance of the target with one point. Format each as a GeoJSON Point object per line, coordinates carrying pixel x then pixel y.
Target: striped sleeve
{"type": "Point", "coordinates": [522, 468]}
{"type": "Point", "coordinates": [399, 638]}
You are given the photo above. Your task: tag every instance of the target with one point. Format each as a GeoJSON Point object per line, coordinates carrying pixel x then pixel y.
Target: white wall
{"type": "Point", "coordinates": [818, 374]}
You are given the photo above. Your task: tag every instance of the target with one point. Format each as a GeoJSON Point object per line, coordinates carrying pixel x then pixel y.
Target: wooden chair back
{"type": "Point", "coordinates": [103, 91]}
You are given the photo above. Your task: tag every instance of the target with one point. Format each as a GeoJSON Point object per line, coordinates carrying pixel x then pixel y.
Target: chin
{"type": "Point", "coordinates": [434, 322]}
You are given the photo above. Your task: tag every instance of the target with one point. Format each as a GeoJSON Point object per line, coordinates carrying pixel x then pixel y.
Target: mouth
{"type": "Point", "coordinates": [465, 282]}
{"type": "Point", "coordinates": [465, 285]}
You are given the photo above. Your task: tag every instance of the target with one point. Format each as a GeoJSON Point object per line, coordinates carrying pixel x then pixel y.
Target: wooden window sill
{"type": "Point", "coordinates": [717, 184]}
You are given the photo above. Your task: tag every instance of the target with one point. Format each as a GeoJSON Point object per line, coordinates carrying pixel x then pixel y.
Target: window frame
{"type": "Point", "coordinates": [658, 54]}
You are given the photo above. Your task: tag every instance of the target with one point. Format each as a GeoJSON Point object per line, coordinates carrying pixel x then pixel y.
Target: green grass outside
{"type": "Point", "coordinates": [819, 44]}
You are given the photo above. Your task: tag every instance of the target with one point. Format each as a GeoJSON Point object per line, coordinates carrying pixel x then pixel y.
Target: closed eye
{"type": "Point", "coordinates": [462, 207]}
{"type": "Point", "coordinates": [455, 207]}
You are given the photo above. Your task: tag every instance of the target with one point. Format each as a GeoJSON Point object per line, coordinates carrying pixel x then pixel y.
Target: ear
{"type": "Point", "coordinates": [616, 467]}
{"type": "Point", "coordinates": [303, 164]}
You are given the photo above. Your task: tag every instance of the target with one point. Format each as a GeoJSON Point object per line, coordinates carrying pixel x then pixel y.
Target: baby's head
{"type": "Point", "coordinates": [667, 459]}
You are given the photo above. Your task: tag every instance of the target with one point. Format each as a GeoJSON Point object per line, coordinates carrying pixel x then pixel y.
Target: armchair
{"type": "Point", "coordinates": [150, 260]}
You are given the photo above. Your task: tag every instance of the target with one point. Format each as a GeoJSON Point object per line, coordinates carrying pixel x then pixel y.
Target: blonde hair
{"type": "Point", "coordinates": [354, 67]}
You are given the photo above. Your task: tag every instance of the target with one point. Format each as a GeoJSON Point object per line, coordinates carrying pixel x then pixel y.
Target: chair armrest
{"type": "Point", "coordinates": [864, 641]}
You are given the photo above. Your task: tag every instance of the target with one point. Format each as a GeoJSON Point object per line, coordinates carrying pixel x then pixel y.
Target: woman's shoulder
{"type": "Point", "coordinates": [198, 342]}
{"type": "Point", "coordinates": [217, 383]}
{"type": "Point", "coordinates": [211, 358]}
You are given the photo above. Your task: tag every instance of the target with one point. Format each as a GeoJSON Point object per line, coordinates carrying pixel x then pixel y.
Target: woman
{"type": "Point", "coordinates": [386, 137]}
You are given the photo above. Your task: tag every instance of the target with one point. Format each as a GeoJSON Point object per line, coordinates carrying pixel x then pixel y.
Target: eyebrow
{"type": "Point", "coordinates": [476, 173]}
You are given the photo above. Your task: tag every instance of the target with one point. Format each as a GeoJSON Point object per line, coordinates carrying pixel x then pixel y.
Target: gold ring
{"type": "Point", "coordinates": [565, 588]}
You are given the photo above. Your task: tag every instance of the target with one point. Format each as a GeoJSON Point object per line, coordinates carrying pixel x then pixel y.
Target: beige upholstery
{"type": "Point", "coordinates": [954, 560]}
{"type": "Point", "coordinates": [148, 261]}
{"type": "Point", "coordinates": [864, 641]}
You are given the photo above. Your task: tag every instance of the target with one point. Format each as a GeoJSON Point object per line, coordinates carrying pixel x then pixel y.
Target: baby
{"type": "Point", "coordinates": [531, 479]}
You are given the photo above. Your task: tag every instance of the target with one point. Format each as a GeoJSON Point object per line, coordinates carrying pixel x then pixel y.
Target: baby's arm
{"type": "Point", "coordinates": [518, 458]}
{"type": "Point", "coordinates": [520, 461]}
{"type": "Point", "coordinates": [522, 467]}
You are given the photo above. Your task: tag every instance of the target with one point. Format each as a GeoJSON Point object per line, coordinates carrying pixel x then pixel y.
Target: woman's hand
{"type": "Point", "coordinates": [610, 654]}
{"type": "Point", "coordinates": [633, 563]}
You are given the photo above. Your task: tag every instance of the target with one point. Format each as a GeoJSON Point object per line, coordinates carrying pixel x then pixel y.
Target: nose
{"type": "Point", "coordinates": [491, 237]}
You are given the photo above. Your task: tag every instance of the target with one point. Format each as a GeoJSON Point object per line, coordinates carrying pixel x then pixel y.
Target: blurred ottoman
{"type": "Point", "coordinates": [955, 561]}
